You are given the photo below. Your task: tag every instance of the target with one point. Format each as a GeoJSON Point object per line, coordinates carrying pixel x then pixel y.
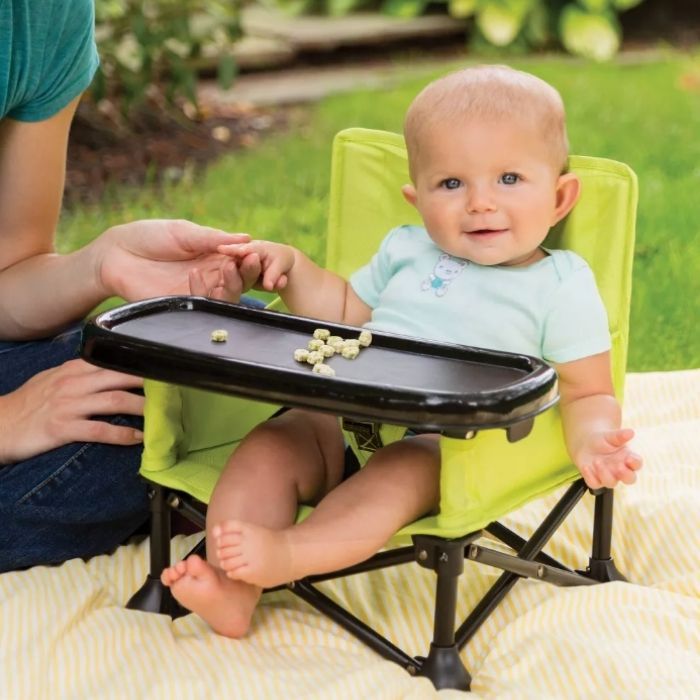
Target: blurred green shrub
{"type": "Point", "coordinates": [586, 28]}
{"type": "Point", "coordinates": [152, 48]}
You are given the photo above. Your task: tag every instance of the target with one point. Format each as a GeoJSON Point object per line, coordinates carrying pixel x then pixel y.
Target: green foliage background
{"type": "Point", "coordinates": [153, 48]}
{"type": "Point", "coordinates": [588, 28]}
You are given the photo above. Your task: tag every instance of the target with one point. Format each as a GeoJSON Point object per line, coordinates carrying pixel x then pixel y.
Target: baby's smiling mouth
{"type": "Point", "coordinates": [485, 231]}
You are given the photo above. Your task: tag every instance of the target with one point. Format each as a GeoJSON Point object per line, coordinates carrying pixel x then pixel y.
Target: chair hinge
{"type": "Point", "coordinates": [366, 434]}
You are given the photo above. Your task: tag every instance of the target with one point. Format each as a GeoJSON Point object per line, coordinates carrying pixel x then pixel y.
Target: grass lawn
{"type": "Point", "coordinates": [645, 114]}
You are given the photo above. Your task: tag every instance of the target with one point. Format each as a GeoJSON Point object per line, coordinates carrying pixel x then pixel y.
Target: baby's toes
{"type": "Point", "coordinates": [227, 527]}
{"type": "Point", "coordinates": [172, 573]}
{"type": "Point", "coordinates": [226, 553]}
{"type": "Point", "coordinates": [230, 539]}
{"type": "Point", "coordinates": [232, 565]}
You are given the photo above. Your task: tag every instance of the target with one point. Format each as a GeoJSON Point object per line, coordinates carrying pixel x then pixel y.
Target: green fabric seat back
{"type": "Point", "coordinates": [483, 478]}
{"type": "Point", "coordinates": [190, 433]}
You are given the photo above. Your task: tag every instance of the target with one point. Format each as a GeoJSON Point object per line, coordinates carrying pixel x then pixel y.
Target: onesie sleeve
{"type": "Point", "coordinates": [63, 64]}
{"type": "Point", "coordinates": [369, 281]}
{"type": "Point", "coordinates": [577, 323]}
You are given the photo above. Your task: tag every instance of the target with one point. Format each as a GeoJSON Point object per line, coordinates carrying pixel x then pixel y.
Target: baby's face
{"type": "Point", "coordinates": [487, 192]}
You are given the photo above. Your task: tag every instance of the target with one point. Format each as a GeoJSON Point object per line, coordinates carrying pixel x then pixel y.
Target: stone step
{"type": "Point", "coordinates": [324, 33]}
{"type": "Point", "coordinates": [307, 84]}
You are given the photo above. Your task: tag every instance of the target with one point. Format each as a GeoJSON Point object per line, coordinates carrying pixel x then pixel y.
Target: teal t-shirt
{"type": "Point", "coordinates": [47, 55]}
{"type": "Point", "coordinates": [550, 309]}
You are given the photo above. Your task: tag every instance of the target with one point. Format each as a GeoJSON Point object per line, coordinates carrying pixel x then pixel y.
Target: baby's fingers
{"type": "Point", "coordinates": [590, 476]}
{"type": "Point", "coordinates": [237, 250]}
{"type": "Point", "coordinates": [634, 461]}
{"type": "Point", "coordinates": [606, 473]}
{"type": "Point", "coordinates": [618, 438]}
{"type": "Point", "coordinates": [274, 277]}
{"type": "Point", "coordinates": [249, 270]}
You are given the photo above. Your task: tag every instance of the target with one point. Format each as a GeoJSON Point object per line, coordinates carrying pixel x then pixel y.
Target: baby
{"type": "Point", "coordinates": [487, 151]}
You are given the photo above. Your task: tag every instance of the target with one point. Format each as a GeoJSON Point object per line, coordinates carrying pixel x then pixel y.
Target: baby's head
{"type": "Point", "coordinates": [489, 93]}
{"type": "Point", "coordinates": [487, 151]}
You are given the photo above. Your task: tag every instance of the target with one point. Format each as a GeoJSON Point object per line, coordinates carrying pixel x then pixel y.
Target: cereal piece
{"type": "Point", "coordinates": [314, 357]}
{"type": "Point", "coordinates": [315, 344]}
{"type": "Point", "coordinates": [327, 350]}
{"type": "Point", "coordinates": [219, 336]}
{"type": "Point", "coordinates": [325, 370]}
{"type": "Point", "coordinates": [365, 338]}
{"type": "Point", "coordinates": [350, 352]}
{"type": "Point", "coordinates": [322, 334]}
{"type": "Point", "coordinates": [300, 354]}
{"type": "Point", "coordinates": [352, 343]}
{"type": "Point", "coordinates": [333, 339]}
{"type": "Point", "coordinates": [336, 342]}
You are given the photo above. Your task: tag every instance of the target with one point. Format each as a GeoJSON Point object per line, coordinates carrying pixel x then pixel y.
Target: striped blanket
{"type": "Point", "coordinates": [64, 632]}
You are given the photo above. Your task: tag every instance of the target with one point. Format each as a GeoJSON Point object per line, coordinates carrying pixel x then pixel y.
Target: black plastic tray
{"type": "Point", "coordinates": [424, 385]}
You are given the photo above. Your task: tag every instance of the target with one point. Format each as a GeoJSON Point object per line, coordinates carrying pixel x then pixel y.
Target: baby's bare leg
{"type": "Point", "coordinates": [353, 521]}
{"type": "Point", "coordinates": [293, 458]}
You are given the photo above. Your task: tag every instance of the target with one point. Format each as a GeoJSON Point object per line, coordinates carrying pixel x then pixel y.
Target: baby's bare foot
{"type": "Point", "coordinates": [254, 554]}
{"type": "Point", "coordinates": [173, 573]}
{"type": "Point", "coordinates": [226, 605]}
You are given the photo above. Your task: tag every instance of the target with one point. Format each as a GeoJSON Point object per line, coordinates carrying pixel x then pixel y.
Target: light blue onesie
{"type": "Point", "coordinates": [550, 309]}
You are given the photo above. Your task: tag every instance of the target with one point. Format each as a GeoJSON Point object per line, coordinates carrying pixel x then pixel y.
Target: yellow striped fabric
{"type": "Point", "coordinates": [64, 632]}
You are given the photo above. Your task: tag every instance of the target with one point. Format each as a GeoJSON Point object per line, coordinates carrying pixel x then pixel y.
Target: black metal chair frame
{"type": "Point", "coordinates": [442, 665]}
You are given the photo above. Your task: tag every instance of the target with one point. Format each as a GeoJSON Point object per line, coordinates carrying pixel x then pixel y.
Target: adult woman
{"type": "Point", "coordinates": [69, 432]}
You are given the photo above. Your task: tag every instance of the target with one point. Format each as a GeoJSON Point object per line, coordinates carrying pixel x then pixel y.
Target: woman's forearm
{"type": "Point", "coordinates": [42, 294]}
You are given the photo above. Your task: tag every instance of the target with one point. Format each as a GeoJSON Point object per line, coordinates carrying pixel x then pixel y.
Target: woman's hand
{"type": "Point", "coordinates": [56, 407]}
{"type": "Point", "coordinates": [235, 279]}
{"type": "Point", "coordinates": [160, 257]}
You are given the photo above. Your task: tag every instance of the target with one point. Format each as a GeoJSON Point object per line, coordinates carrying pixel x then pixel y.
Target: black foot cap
{"type": "Point", "coordinates": [603, 570]}
{"type": "Point", "coordinates": [154, 597]}
{"type": "Point", "coordinates": [445, 669]}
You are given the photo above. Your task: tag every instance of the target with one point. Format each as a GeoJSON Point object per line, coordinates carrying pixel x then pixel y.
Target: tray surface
{"type": "Point", "coordinates": [396, 379]}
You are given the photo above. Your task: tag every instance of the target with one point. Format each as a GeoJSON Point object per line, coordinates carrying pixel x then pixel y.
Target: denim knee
{"type": "Point", "coordinates": [78, 500]}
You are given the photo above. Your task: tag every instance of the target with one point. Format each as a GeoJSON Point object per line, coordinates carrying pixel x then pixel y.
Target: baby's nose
{"type": "Point", "coordinates": [479, 199]}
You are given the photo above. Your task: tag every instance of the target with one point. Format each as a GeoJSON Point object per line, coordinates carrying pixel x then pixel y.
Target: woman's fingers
{"type": "Point", "coordinates": [100, 431]}
{"type": "Point", "coordinates": [196, 282]}
{"type": "Point", "coordinates": [79, 377]}
{"type": "Point", "coordinates": [109, 403]}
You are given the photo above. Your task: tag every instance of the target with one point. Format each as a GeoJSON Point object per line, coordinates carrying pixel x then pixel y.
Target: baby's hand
{"type": "Point", "coordinates": [275, 259]}
{"type": "Point", "coordinates": [606, 459]}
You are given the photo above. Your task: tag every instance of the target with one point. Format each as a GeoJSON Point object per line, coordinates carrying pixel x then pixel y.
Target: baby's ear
{"type": "Point", "coordinates": [568, 190]}
{"type": "Point", "coordinates": [409, 194]}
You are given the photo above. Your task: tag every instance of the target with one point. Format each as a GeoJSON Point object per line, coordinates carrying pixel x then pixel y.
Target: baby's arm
{"type": "Point", "coordinates": [597, 443]}
{"type": "Point", "coordinates": [306, 288]}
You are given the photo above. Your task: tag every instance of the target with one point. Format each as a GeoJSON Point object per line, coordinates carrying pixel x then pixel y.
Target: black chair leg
{"type": "Point", "coordinates": [601, 566]}
{"type": "Point", "coordinates": [153, 596]}
{"type": "Point", "coordinates": [443, 665]}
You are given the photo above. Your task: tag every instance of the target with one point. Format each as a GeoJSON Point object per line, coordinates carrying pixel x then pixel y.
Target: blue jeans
{"type": "Point", "coordinates": [77, 500]}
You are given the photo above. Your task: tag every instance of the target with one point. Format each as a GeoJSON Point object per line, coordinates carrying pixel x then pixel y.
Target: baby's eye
{"type": "Point", "coordinates": [450, 183]}
{"type": "Point", "coordinates": [509, 178]}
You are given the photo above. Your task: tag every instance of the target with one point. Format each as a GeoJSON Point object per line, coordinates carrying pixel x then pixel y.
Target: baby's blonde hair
{"type": "Point", "coordinates": [488, 92]}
